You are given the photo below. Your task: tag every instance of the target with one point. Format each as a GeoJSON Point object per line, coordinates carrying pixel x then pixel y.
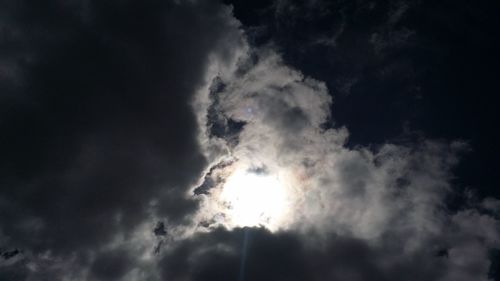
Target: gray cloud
{"type": "Point", "coordinates": [98, 134]}
{"type": "Point", "coordinates": [116, 110]}
{"type": "Point", "coordinates": [285, 256]}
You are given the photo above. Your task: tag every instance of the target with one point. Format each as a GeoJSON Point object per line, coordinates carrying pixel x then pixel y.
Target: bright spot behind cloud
{"type": "Point", "coordinates": [254, 199]}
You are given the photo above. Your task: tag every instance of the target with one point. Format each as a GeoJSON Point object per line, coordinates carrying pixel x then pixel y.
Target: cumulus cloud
{"type": "Point", "coordinates": [124, 121]}
{"type": "Point", "coordinates": [391, 199]}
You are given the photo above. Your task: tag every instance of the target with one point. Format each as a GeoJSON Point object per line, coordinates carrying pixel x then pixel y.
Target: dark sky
{"type": "Point", "coordinates": [121, 121]}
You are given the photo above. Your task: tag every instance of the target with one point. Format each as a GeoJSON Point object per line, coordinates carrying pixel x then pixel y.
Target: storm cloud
{"type": "Point", "coordinates": [98, 134]}
{"type": "Point", "coordinates": [122, 121]}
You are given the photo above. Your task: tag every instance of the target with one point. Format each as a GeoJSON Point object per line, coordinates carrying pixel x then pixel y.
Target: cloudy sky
{"type": "Point", "coordinates": [200, 140]}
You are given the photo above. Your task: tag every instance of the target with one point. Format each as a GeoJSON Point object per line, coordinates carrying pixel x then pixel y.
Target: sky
{"type": "Point", "coordinates": [249, 140]}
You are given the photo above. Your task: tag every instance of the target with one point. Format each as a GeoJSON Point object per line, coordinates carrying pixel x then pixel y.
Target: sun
{"type": "Point", "coordinates": [254, 199]}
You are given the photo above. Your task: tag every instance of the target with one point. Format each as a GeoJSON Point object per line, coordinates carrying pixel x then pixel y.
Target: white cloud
{"type": "Point", "coordinates": [394, 192]}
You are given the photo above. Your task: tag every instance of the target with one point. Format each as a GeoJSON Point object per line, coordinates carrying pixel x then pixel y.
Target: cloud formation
{"type": "Point", "coordinates": [391, 198]}
{"type": "Point", "coordinates": [98, 135]}
{"type": "Point", "coordinates": [122, 121]}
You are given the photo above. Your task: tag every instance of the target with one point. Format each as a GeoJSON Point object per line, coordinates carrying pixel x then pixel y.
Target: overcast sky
{"type": "Point", "coordinates": [249, 140]}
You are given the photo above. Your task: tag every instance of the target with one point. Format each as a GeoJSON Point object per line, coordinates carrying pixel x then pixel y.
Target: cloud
{"type": "Point", "coordinates": [123, 121]}
{"type": "Point", "coordinates": [391, 199]}
{"type": "Point", "coordinates": [284, 256]}
{"type": "Point", "coordinates": [98, 133]}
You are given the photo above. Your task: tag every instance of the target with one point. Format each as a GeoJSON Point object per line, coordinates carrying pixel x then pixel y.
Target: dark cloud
{"type": "Point", "coordinates": [256, 254]}
{"type": "Point", "coordinates": [111, 265]}
{"type": "Point", "coordinates": [96, 121]}
{"type": "Point", "coordinates": [120, 122]}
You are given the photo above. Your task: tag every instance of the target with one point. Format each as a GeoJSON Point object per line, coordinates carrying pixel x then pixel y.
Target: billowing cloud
{"type": "Point", "coordinates": [98, 135]}
{"type": "Point", "coordinates": [391, 198]}
{"type": "Point", "coordinates": [128, 128]}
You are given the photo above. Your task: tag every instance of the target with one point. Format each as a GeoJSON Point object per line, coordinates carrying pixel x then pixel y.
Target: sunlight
{"type": "Point", "coordinates": [254, 199]}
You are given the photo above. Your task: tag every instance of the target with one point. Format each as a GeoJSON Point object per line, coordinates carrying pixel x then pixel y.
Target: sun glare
{"type": "Point", "coordinates": [254, 199]}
